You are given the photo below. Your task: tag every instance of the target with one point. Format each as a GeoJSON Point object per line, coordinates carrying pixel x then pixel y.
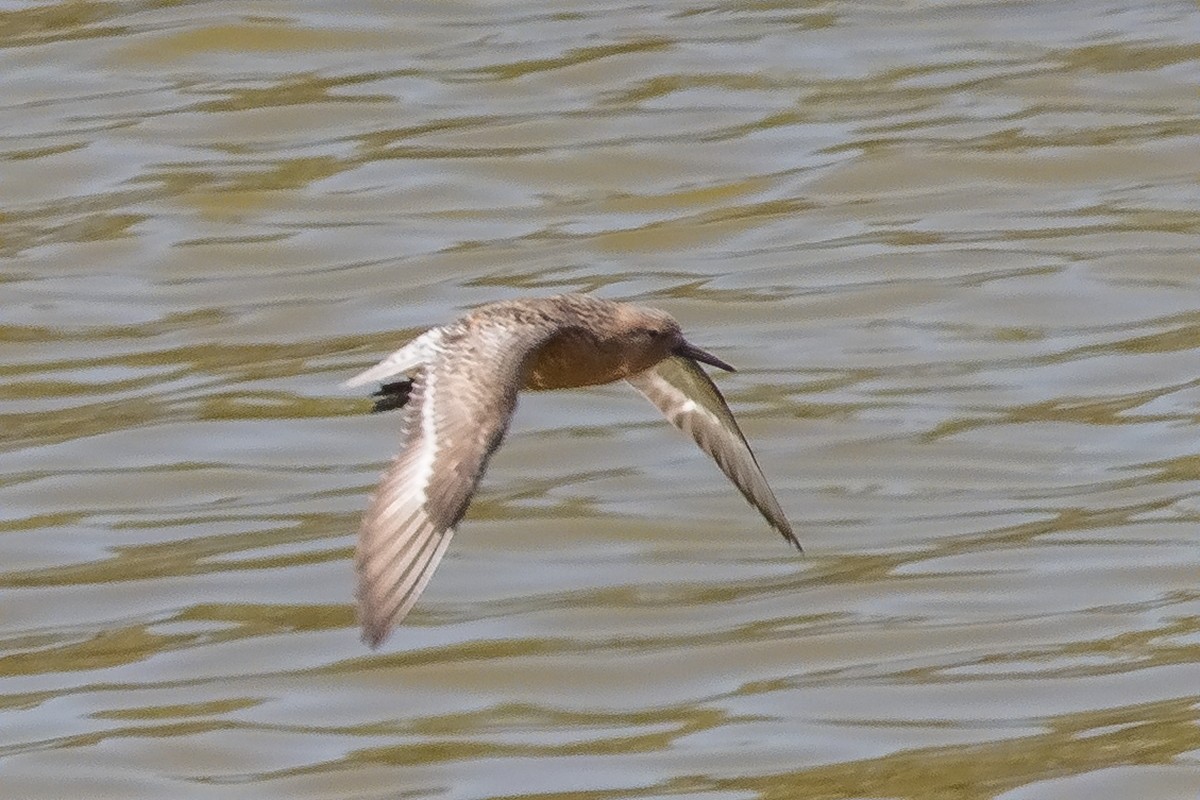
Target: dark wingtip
{"type": "Point", "coordinates": [789, 535]}
{"type": "Point", "coordinates": [392, 395]}
{"type": "Point", "coordinates": [373, 634]}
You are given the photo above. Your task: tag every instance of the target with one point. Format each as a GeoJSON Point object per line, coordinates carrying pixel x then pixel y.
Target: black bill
{"type": "Point", "coordinates": [688, 350]}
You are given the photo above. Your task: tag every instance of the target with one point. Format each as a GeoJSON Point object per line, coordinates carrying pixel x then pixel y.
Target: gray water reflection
{"type": "Point", "coordinates": [951, 247]}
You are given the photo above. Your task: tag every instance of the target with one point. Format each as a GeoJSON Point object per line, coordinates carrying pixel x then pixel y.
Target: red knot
{"type": "Point", "coordinates": [459, 391]}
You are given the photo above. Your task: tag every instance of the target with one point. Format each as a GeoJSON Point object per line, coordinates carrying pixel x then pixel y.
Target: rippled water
{"type": "Point", "coordinates": [952, 247]}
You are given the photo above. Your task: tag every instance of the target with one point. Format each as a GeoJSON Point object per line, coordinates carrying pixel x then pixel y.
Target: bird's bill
{"type": "Point", "coordinates": [688, 350]}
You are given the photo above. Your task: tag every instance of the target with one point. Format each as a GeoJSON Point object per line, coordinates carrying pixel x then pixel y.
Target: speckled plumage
{"type": "Point", "coordinates": [458, 398]}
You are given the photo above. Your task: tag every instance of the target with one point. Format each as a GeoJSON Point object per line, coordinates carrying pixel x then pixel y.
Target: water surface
{"type": "Point", "coordinates": [951, 247]}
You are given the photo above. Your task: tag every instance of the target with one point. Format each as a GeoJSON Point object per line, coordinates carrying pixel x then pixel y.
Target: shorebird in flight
{"type": "Point", "coordinates": [458, 391]}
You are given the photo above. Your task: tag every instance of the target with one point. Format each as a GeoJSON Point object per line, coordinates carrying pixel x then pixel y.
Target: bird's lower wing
{"type": "Point", "coordinates": [684, 393]}
{"type": "Point", "coordinates": [456, 415]}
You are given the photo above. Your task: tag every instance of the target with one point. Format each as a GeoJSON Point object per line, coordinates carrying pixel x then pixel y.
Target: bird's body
{"type": "Point", "coordinates": [460, 396]}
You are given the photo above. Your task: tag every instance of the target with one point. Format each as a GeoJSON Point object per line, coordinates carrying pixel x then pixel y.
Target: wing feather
{"type": "Point", "coordinates": [684, 393]}
{"type": "Point", "coordinates": [462, 398]}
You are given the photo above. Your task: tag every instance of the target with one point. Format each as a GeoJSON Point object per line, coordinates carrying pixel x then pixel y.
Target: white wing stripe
{"type": "Point", "coordinates": [423, 469]}
{"type": "Point", "coordinates": [409, 357]}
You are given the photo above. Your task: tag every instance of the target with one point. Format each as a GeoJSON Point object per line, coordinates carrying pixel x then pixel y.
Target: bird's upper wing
{"type": "Point", "coordinates": [408, 357]}
{"type": "Point", "coordinates": [689, 399]}
{"type": "Point", "coordinates": [461, 402]}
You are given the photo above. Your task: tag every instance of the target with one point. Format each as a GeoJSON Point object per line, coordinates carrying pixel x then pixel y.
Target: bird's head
{"type": "Point", "coordinates": [659, 335]}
